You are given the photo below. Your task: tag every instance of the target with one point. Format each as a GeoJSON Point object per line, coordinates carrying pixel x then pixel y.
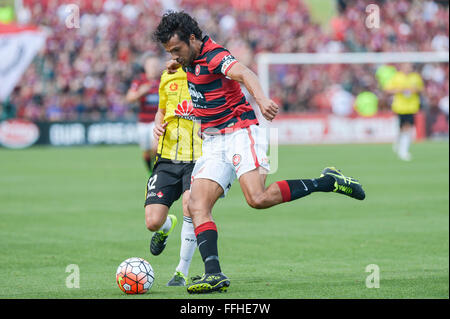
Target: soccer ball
{"type": "Point", "coordinates": [135, 276]}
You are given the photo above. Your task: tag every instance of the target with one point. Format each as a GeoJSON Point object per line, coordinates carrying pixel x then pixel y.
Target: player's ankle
{"type": "Point", "coordinates": [324, 183]}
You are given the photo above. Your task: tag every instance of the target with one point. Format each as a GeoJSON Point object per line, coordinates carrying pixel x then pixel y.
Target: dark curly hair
{"type": "Point", "coordinates": [179, 23]}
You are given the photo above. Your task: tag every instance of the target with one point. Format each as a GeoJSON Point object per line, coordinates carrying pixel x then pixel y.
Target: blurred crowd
{"type": "Point", "coordinates": [83, 74]}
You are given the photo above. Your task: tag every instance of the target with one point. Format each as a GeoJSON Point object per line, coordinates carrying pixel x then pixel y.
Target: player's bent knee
{"type": "Point", "coordinates": [153, 222]}
{"type": "Point", "coordinates": [256, 201]}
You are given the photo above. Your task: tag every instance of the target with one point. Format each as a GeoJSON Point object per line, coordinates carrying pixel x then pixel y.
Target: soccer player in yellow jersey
{"type": "Point", "coordinates": [406, 86]}
{"type": "Point", "coordinates": [178, 148]}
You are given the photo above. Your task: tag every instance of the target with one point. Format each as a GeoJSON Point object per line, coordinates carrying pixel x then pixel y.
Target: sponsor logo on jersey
{"type": "Point", "coordinates": [199, 106]}
{"type": "Point", "coordinates": [185, 110]}
{"type": "Point", "coordinates": [173, 87]}
{"type": "Point", "coordinates": [195, 95]}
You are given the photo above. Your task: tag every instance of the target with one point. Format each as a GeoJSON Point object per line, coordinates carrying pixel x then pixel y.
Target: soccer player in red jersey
{"type": "Point", "coordinates": [234, 146]}
{"type": "Point", "coordinates": [144, 90]}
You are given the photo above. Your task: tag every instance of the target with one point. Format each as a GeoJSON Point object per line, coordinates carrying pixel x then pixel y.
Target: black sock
{"type": "Point", "coordinates": [298, 188]}
{"type": "Point", "coordinates": [207, 245]}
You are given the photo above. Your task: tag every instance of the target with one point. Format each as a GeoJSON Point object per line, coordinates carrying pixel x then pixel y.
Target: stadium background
{"type": "Point", "coordinates": [83, 74]}
{"type": "Point", "coordinates": [83, 205]}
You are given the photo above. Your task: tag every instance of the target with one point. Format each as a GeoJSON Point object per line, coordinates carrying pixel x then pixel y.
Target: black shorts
{"type": "Point", "coordinates": [168, 182]}
{"type": "Point", "coordinates": [406, 119]}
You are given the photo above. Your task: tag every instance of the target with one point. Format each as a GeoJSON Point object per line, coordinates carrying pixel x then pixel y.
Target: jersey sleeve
{"type": "Point", "coordinates": [220, 61]}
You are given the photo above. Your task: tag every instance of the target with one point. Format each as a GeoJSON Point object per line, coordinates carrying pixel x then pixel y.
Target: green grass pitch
{"type": "Point", "coordinates": [84, 206]}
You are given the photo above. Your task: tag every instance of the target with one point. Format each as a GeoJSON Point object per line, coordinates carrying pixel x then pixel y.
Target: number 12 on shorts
{"type": "Point", "coordinates": [151, 184]}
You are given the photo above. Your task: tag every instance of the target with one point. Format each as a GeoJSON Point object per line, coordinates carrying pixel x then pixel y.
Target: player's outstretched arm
{"type": "Point", "coordinates": [244, 75]}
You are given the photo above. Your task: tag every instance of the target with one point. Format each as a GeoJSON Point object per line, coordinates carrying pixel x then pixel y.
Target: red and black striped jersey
{"type": "Point", "coordinates": [218, 101]}
{"type": "Point", "coordinates": [148, 103]}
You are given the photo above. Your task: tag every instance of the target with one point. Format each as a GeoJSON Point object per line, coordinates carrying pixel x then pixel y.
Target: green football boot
{"type": "Point", "coordinates": [209, 283]}
{"type": "Point", "coordinates": [343, 184]}
{"type": "Point", "coordinates": [159, 238]}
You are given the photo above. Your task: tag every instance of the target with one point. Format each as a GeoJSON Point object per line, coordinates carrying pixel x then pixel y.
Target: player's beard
{"type": "Point", "coordinates": [190, 59]}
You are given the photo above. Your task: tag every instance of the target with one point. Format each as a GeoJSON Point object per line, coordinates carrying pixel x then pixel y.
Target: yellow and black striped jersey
{"type": "Point", "coordinates": [180, 141]}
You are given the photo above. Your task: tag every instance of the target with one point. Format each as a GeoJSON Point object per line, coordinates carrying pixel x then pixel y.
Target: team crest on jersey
{"type": "Point", "coordinates": [160, 194]}
{"type": "Point", "coordinates": [236, 159]}
{"type": "Point", "coordinates": [173, 87]}
{"type": "Point", "coordinates": [197, 69]}
{"type": "Point", "coordinates": [185, 110]}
